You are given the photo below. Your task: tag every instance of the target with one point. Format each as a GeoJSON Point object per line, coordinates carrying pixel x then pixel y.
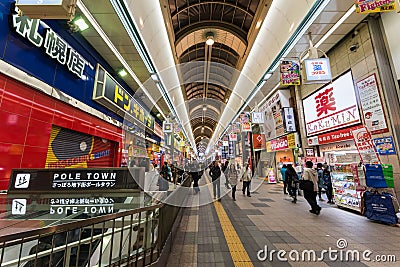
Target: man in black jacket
{"type": "Point", "coordinates": [215, 173]}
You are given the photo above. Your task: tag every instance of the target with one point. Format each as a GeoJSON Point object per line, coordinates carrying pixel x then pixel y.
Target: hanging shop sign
{"type": "Point", "coordinates": [257, 117]}
{"type": "Point", "coordinates": [332, 137]}
{"type": "Point", "coordinates": [232, 137]}
{"type": "Point", "coordinates": [54, 46]}
{"type": "Point", "coordinates": [340, 146]}
{"type": "Point", "coordinates": [167, 127]}
{"type": "Point", "coordinates": [290, 72]}
{"type": "Point", "coordinates": [288, 120]}
{"type": "Point", "coordinates": [317, 70]}
{"type": "Point", "coordinates": [273, 117]}
{"type": "Point", "coordinates": [244, 120]}
{"type": "Point", "coordinates": [374, 6]}
{"type": "Point", "coordinates": [225, 143]}
{"type": "Point", "coordinates": [327, 109]}
{"type": "Point", "coordinates": [258, 141]}
{"type": "Point", "coordinates": [385, 145]}
{"type": "Point", "coordinates": [113, 96]}
{"type": "Point", "coordinates": [371, 104]}
{"type": "Point", "coordinates": [366, 149]}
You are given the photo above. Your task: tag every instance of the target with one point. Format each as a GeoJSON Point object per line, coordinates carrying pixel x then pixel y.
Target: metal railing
{"type": "Point", "coordinates": [128, 238]}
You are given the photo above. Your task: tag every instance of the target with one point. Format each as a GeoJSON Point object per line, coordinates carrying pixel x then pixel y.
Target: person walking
{"type": "Point", "coordinates": [326, 175]}
{"type": "Point", "coordinates": [245, 177]}
{"type": "Point", "coordinates": [223, 168]}
{"type": "Point", "coordinates": [232, 175]}
{"type": "Point", "coordinates": [320, 181]}
{"type": "Point", "coordinates": [292, 180]}
{"type": "Point", "coordinates": [196, 175]}
{"type": "Point", "coordinates": [215, 173]}
{"type": "Point", "coordinates": [283, 173]}
{"type": "Point", "coordinates": [310, 174]}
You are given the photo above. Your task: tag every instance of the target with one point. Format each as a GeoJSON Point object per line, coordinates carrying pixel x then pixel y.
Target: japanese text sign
{"type": "Point", "coordinates": [53, 44]}
{"type": "Point", "coordinates": [371, 104]}
{"type": "Point", "coordinates": [257, 117]}
{"type": "Point", "coordinates": [385, 145]}
{"type": "Point", "coordinates": [365, 147]}
{"type": "Point", "coordinates": [317, 70]}
{"type": "Point", "coordinates": [373, 6]}
{"type": "Point", "coordinates": [327, 109]}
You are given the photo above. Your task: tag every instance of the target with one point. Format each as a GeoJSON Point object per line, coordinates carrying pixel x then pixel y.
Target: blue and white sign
{"type": "Point", "coordinates": [385, 145]}
{"type": "Point", "coordinates": [318, 70]}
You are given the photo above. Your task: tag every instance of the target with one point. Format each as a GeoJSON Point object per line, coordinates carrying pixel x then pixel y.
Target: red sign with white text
{"type": "Point", "coordinates": [336, 136]}
{"type": "Point", "coordinates": [279, 144]}
{"type": "Point", "coordinates": [258, 141]}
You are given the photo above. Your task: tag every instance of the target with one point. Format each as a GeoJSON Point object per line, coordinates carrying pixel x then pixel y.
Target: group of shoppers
{"type": "Point", "coordinates": [320, 178]}
{"type": "Point", "coordinates": [233, 176]}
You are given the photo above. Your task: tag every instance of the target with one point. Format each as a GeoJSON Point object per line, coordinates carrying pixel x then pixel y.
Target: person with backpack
{"type": "Point", "coordinates": [245, 177]}
{"type": "Point", "coordinates": [310, 194]}
{"type": "Point", "coordinates": [283, 174]}
{"type": "Point", "coordinates": [215, 173]}
{"type": "Point", "coordinates": [292, 180]}
{"type": "Point", "coordinates": [326, 175]}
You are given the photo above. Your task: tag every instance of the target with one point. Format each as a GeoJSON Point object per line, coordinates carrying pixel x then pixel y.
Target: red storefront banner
{"type": "Point", "coordinates": [333, 137]}
{"type": "Point", "coordinates": [279, 144]}
{"type": "Point", "coordinates": [258, 141]}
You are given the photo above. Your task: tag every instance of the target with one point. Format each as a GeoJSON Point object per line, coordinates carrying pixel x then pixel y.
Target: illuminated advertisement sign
{"type": "Point", "coordinates": [112, 95]}
{"type": "Point", "coordinates": [318, 70]}
{"type": "Point", "coordinates": [373, 6]}
{"type": "Point", "coordinates": [327, 109]}
{"type": "Point", "coordinates": [290, 72]}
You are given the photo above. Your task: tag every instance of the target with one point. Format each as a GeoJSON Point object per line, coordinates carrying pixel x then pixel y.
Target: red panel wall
{"type": "Point", "coordinates": [26, 117]}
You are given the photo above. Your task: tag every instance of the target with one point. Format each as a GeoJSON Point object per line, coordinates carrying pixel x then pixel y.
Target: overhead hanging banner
{"type": "Point", "coordinates": [374, 6]}
{"type": "Point", "coordinates": [257, 117]}
{"type": "Point", "coordinates": [290, 72]}
{"type": "Point", "coordinates": [371, 104]}
{"type": "Point", "coordinates": [232, 137]}
{"type": "Point", "coordinates": [245, 121]}
{"type": "Point", "coordinates": [317, 70]}
{"type": "Point", "coordinates": [167, 127]}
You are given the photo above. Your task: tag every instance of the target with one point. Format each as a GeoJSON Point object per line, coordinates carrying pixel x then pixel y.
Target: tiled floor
{"type": "Point", "coordinates": [269, 220]}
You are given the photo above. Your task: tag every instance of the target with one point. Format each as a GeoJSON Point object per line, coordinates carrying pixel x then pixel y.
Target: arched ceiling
{"type": "Point", "coordinates": [233, 24]}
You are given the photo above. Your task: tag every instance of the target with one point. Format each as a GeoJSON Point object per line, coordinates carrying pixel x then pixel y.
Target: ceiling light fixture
{"type": "Point", "coordinates": [210, 38]}
{"type": "Point", "coordinates": [80, 23]}
{"type": "Point", "coordinates": [122, 72]}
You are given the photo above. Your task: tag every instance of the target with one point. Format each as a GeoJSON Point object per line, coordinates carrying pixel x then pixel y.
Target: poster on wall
{"type": "Point", "coordinates": [70, 149]}
{"type": "Point", "coordinates": [244, 120]}
{"type": "Point", "coordinates": [288, 119]}
{"type": "Point", "coordinates": [374, 6]}
{"type": "Point", "coordinates": [385, 145]}
{"type": "Point", "coordinates": [371, 104]}
{"type": "Point", "coordinates": [366, 149]}
{"type": "Point", "coordinates": [326, 109]}
{"type": "Point", "coordinates": [290, 72]}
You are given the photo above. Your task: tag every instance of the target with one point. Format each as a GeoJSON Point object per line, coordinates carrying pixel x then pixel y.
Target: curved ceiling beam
{"type": "Point", "coordinates": [224, 33]}
{"type": "Point", "coordinates": [216, 46]}
{"type": "Point", "coordinates": [184, 8]}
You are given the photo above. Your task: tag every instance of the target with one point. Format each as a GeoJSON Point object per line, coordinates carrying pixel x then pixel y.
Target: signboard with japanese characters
{"type": "Point", "coordinates": [317, 70]}
{"type": "Point", "coordinates": [340, 146]}
{"type": "Point", "coordinates": [167, 127]}
{"type": "Point", "coordinates": [374, 6]}
{"type": "Point", "coordinates": [371, 104]}
{"type": "Point", "coordinates": [327, 109]}
{"type": "Point", "coordinates": [54, 46]}
{"type": "Point", "coordinates": [273, 119]}
{"type": "Point", "coordinates": [258, 141]}
{"type": "Point", "coordinates": [281, 143]}
{"type": "Point", "coordinates": [112, 95]}
{"type": "Point", "coordinates": [333, 137]}
{"type": "Point", "coordinates": [86, 205]}
{"type": "Point", "coordinates": [365, 146]}
{"type": "Point", "coordinates": [290, 72]}
{"type": "Point", "coordinates": [257, 117]}
{"type": "Point", "coordinates": [73, 180]}
{"type": "Point", "coordinates": [225, 143]}
{"type": "Point", "coordinates": [288, 119]}
{"type": "Point", "coordinates": [232, 137]}
{"type": "Point", "coordinates": [385, 145]}
{"type": "Point", "coordinates": [244, 120]}
{"type": "Point", "coordinates": [310, 152]}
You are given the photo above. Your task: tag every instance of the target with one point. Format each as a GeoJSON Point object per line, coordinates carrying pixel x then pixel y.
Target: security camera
{"type": "Point", "coordinates": [354, 47]}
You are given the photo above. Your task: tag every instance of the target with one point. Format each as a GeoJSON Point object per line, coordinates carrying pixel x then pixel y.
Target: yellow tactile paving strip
{"type": "Point", "coordinates": [239, 254]}
{"type": "Point", "coordinates": [236, 248]}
